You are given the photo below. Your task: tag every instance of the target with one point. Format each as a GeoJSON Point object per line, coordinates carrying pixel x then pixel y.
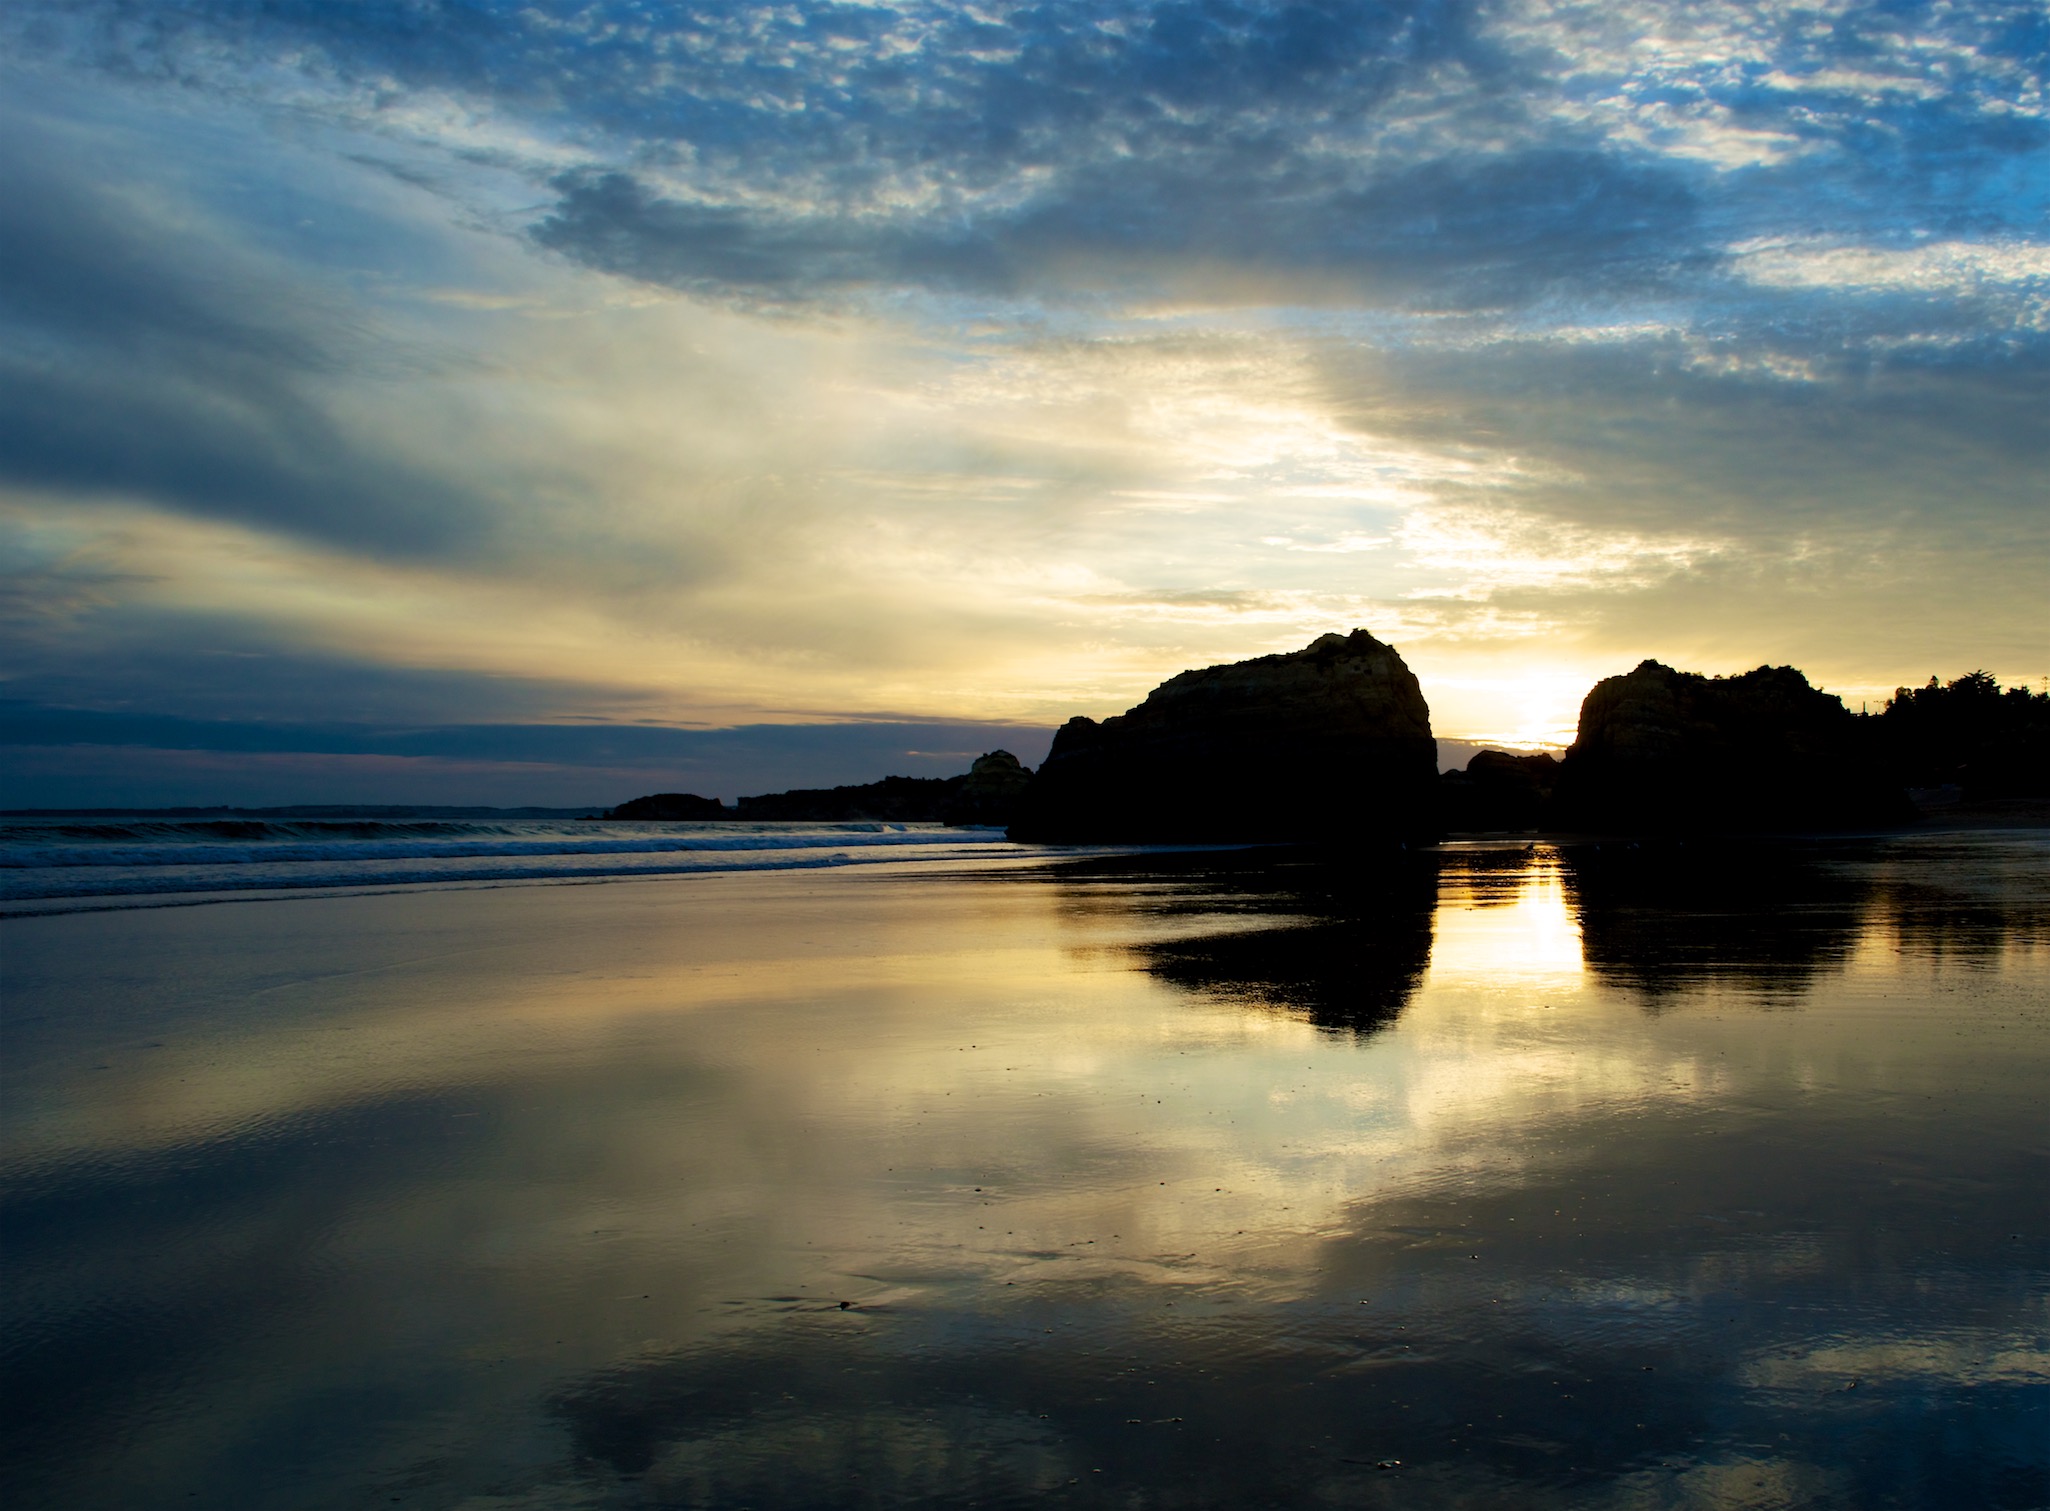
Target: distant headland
{"type": "Point", "coordinates": [986, 794]}
{"type": "Point", "coordinates": [1333, 743]}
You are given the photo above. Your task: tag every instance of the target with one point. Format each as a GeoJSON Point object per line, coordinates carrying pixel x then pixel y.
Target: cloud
{"type": "Point", "coordinates": [149, 356]}
{"type": "Point", "coordinates": [56, 756]}
{"type": "Point", "coordinates": [548, 361]}
{"type": "Point", "coordinates": [1472, 232]}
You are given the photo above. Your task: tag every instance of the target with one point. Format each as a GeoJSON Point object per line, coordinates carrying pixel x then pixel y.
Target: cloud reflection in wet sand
{"type": "Point", "coordinates": [1136, 1189]}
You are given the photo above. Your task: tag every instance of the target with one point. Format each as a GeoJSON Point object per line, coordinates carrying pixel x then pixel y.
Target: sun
{"type": "Point", "coordinates": [1536, 708]}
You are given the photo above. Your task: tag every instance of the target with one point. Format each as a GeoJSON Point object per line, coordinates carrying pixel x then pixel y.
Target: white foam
{"type": "Point", "coordinates": [48, 867]}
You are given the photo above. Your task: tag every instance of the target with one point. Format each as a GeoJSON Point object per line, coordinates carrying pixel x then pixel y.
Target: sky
{"type": "Point", "coordinates": [464, 401]}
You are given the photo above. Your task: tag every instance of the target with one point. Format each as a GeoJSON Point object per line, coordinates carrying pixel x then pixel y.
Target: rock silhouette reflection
{"type": "Point", "coordinates": [1963, 899]}
{"type": "Point", "coordinates": [1664, 918]}
{"type": "Point", "coordinates": [1350, 954]}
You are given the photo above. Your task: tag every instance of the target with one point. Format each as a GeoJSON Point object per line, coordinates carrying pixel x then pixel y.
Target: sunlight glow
{"type": "Point", "coordinates": [1527, 937]}
{"type": "Point", "coordinates": [1534, 709]}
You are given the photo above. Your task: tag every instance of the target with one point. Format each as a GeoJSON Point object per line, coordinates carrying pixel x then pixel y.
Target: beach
{"type": "Point", "coordinates": [1658, 1176]}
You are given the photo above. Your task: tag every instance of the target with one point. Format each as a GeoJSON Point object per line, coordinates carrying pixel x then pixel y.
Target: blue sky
{"type": "Point", "coordinates": [394, 394]}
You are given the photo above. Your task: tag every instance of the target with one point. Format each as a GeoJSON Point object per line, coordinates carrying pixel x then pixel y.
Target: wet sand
{"type": "Point", "coordinates": [1612, 1178]}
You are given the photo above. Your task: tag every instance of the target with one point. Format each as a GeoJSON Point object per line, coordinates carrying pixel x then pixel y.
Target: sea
{"type": "Point", "coordinates": [490, 1163]}
{"type": "Point", "coordinates": [56, 862]}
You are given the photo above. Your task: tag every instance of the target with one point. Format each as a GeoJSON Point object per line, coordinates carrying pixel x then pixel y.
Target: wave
{"type": "Point", "coordinates": [129, 862]}
{"type": "Point", "coordinates": [410, 847]}
{"type": "Point", "coordinates": [244, 829]}
{"type": "Point", "coordinates": [148, 829]}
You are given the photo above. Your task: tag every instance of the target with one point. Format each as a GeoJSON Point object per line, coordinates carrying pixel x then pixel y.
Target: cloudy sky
{"type": "Point", "coordinates": [456, 400]}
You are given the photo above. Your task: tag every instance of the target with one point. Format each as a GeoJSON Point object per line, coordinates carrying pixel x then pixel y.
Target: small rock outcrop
{"type": "Point", "coordinates": [1329, 742]}
{"type": "Point", "coordinates": [1499, 790]}
{"type": "Point", "coordinates": [1660, 750]}
{"type": "Point", "coordinates": [671, 807]}
{"type": "Point", "coordinates": [989, 793]}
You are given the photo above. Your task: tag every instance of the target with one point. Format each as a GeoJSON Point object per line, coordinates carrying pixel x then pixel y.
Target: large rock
{"type": "Point", "coordinates": [1329, 742]}
{"type": "Point", "coordinates": [1660, 750]}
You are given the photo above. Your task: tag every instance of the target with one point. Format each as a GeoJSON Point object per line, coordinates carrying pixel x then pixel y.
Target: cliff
{"type": "Point", "coordinates": [1660, 750]}
{"type": "Point", "coordinates": [1331, 741]}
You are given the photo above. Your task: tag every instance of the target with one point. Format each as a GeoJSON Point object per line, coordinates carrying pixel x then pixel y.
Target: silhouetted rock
{"type": "Point", "coordinates": [667, 807]}
{"type": "Point", "coordinates": [1332, 741]}
{"type": "Point", "coordinates": [989, 793]}
{"type": "Point", "coordinates": [1498, 790]}
{"type": "Point", "coordinates": [1661, 750]}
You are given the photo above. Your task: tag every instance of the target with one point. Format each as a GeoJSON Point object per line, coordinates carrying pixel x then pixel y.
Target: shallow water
{"type": "Point", "coordinates": [1619, 1177]}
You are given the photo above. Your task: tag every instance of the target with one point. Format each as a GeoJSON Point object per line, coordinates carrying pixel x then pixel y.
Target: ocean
{"type": "Point", "coordinates": [61, 862]}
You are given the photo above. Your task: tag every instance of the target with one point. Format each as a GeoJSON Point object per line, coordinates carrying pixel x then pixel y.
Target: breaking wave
{"type": "Point", "coordinates": [101, 861]}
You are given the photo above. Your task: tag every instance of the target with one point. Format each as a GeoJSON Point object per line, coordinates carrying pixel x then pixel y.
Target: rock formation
{"type": "Point", "coordinates": [1660, 750]}
{"type": "Point", "coordinates": [989, 793]}
{"type": "Point", "coordinates": [1498, 790]}
{"type": "Point", "coordinates": [669, 807]}
{"type": "Point", "coordinates": [1329, 742]}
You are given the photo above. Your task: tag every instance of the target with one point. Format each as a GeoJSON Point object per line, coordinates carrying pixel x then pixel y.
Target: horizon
{"type": "Point", "coordinates": [758, 751]}
{"type": "Point", "coordinates": [476, 404]}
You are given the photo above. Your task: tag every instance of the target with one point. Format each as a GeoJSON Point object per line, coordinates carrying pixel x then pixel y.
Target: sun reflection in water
{"type": "Point", "coordinates": [1511, 926]}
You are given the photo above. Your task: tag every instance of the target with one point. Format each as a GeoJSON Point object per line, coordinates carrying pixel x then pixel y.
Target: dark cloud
{"type": "Point", "coordinates": [1486, 231]}
{"type": "Point", "coordinates": [924, 743]}
{"type": "Point", "coordinates": [215, 668]}
{"type": "Point", "coordinates": [1403, 148]}
{"type": "Point", "coordinates": [1676, 434]}
{"type": "Point", "coordinates": [131, 687]}
{"type": "Point", "coordinates": [144, 358]}
{"type": "Point", "coordinates": [124, 757]}
{"type": "Point", "coordinates": [860, 88]}
{"type": "Point", "coordinates": [1414, 151]}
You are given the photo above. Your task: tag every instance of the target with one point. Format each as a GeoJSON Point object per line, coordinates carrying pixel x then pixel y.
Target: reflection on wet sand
{"type": "Point", "coordinates": [1965, 898]}
{"type": "Point", "coordinates": [1350, 950]}
{"type": "Point", "coordinates": [1660, 918]}
{"type": "Point", "coordinates": [1196, 1181]}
